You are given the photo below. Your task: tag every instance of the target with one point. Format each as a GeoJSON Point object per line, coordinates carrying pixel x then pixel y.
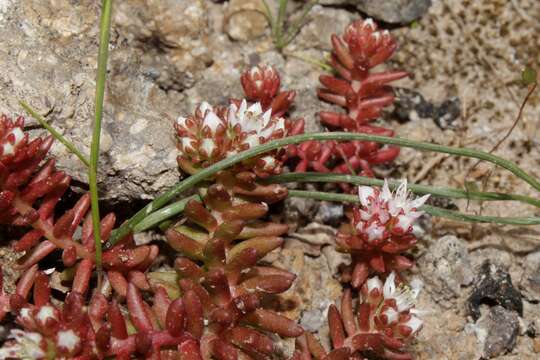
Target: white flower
{"type": "Point", "coordinates": [404, 296]}
{"type": "Point", "coordinates": [45, 313]}
{"type": "Point", "coordinates": [382, 205]}
{"type": "Point", "coordinates": [25, 346]}
{"type": "Point", "coordinates": [68, 340]}
{"type": "Point", "coordinates": [414, 323]}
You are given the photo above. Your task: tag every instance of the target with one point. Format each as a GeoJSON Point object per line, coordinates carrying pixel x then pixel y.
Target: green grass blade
{"type": "Point", "coordinates": [186, 184]}
{"type": "Point", "coordinates": [104, 36]}
{"type": "Point", "coordinates": [444, 192]}
{"type": "Point", "coordinates": [432, 210]}
{"type": "Point", "coordinates": [69, 145]}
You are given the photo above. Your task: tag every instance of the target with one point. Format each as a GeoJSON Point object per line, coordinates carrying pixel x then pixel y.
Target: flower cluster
{"type": "Point", "coordinates": [100, 329]}
{"type": "Point", "coordinates": [384, 322]}
{"type": "Point", "coordinates": [213, 133]}
{"type": "Point", "coordinates": [262, 84]}
{"type": "Point", "coordinates": [380, 231]}
{"type": "Point", "coordinates": [362, 93]}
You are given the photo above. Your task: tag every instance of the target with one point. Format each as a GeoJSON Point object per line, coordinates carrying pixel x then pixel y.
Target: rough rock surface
{"type": "Point", "coordinates": [497, 332]}
{"type": "Point", "coordinates": [390, 11]}
{"type": "Point", "coordinates": [449, 268]}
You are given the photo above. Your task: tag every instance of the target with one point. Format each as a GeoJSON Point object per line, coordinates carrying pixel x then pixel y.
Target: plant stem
{"type": "Point", "coordinates": [280, 22]}
{"type": "Point", "coordinates": [163, 214]}
{"type": "Point", "coordinates": [104, 35]}
{"type": "Point", "coordinates": [186, 184]}
{"type": "Point", "coordinates": [269, 15]}
{"type": "Point", "coordinates": [444, 192]}
{"type": "Point", "coordinates": [69, 145]}
{"type": "Point", "coordinates": [432, 210]}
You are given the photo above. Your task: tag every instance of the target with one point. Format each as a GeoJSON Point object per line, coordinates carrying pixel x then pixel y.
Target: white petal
{"type": "Point", "coordinates": [374, 283]}
{"type": "Point", "coordinates": [392, 315]}
{"type": "Point", "coordinates": [390, 286]}
{"type": "Point", "coordinates": [186, 143]}
{"type": "Point", "coordinates": [267, 116]}
{"type": "Point", "coordinates": [369, 23]}
{"type": "Point", "coordinates": [8, 149]}
{"type": "Point", "coordinates": [416, 203]}
{"type": "Point", "coordinates": [45, 312]}
{"type": "Point", "coordinates": [364, 193]}
{"type": "Point", "coordinates": [212, 121]}
{"type": "Point", "coordinates": [386, 194]}
{"type": "Point", "coordinates": [208, 146]}
{"type": "Point", "coordinates": [414, 323]}
{"type": "Point", "coordinates": [252, 140]}
{"type": "Point", "coordinates": [181, 121]}
{"type": "Point", "coordinates": [375, 232]}
{"type": "Point", "coordinates": [19, 135]}
{"type": "Point", "coordinates": [270, 162]}
{"type": "Point", "coordinates": [68, 340]}
{"type": "Point", "coordinates": [242, 111]}
{"type": "Point", "coordinates": [255, 108]}
{"type": "Point", "coordinates": [204, 107]}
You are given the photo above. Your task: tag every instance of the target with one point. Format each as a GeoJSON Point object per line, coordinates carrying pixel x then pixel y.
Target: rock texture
{"type": "Point", "coordinates": [448, 265]}
{"type": "Point", "coordinates": [465, 59]}
{"type": "Point", "coordinates": [497, 332]}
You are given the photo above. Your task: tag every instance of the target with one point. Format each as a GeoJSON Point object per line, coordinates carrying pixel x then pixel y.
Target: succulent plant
{"type": "Point", "coordinates": [380, 231]}
{"type": "Point", "coordinates": [363, 93]}
{"type": "Point", "coordinates": [222, 239]}
{"type": "Point", "coordinates": [383, 323]}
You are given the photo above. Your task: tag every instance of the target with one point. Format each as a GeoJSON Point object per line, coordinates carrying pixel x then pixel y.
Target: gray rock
{"type": "Point", "coordinates": [497, 331]}
{"type": "Point", "coordinates": [530, 281]}
{"type": "Point", "coordinates": [394, 11]}
{"type": "Point", "coordinates": [411, 105]}
{"type": "Point", "coordinates": [390, 11]}
{"type": "Point", "coordinates": [329, 213]}
{"type": "Point", "coordinates": [245, 19]}
{"type": "Point", "coordinates": [493, 285]}
{"type": "Point", "coordinates": [48, 58]}
{"type": "Point", "coordinates": [171, 38]}
{"type": "Point", "coordinates": [446, 267]}
{"type": "Point", "coordinates": [321, 24]}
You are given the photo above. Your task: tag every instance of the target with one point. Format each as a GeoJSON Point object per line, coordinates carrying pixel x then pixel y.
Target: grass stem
{"type": "Point", "coordinates": [104, 36]}
{"type": "Point", "coordinates": [69, 145]}
{"type": "Point", "coordinates": [186, 184]}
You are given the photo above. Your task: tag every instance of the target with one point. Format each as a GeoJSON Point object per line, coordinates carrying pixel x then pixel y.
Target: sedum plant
{"type": "Point", "coordinates": [223, 238]}
{"type": "Point", "coordinates": [380, 231]}
{"type": "Point", "coordinates": [382, 324]}
{"type": "Point", "coordinates": [363, 93]}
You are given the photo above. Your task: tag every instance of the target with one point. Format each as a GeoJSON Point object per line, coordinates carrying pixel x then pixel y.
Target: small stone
{"type": "Point", "coordinates": [494, 285]}
{"type": "Point", "coordinates": [394, 11]}
{"type": "Point", "coordinates": [329, 213]}
{"type": "Point", "coordinates": [446, 267]}
{"type": "Point", "coordinates": [411, 105]}
{"type": "Point", "coordinates": [245, 19]}
{"type": "Point", "coordinates": [497, 331]}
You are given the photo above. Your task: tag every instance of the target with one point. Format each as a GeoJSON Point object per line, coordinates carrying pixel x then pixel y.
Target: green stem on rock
{"type": "Point", "coordinates": [69, 145]}
{"type": "Point", "coordinates": [186, 184]}
{"type": "Point", "coordinates": [432, 210]}
{"type": "Point", "coordinates": [104, 36]}
{"type": "Point", "coordinates": [444, 192]}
